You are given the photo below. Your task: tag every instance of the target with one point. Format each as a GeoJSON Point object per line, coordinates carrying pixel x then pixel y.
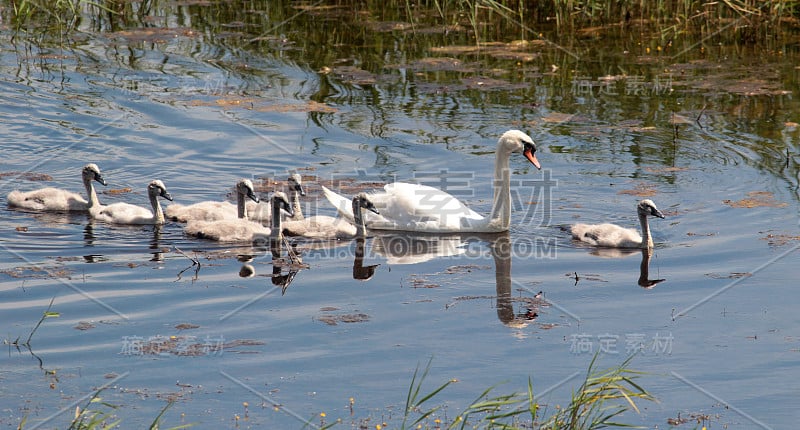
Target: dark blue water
{"type": "Point", "coordinates": [718, 336]}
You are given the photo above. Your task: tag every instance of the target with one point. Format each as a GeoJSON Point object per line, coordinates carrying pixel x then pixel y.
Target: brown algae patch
{"type": "Point", "coordinates": [262, 105]}
{"type": "Point", "coordinates": [732, 275]}
{"type": "Point", "coordinates": [37, 272]}
{"type": "Point", "coordinates": [118, 191]}
{"type": "Point", "coordinates": [84, 325]}
{"type": "Point", "coordinates": [331, 319]}
{"type": "Point", "coordinates": [780, 239]}
{"type": "Point", "coordinates": [756, 199]}
{"type": "Point", "coordinates": [153, 34]}
{"type": "Point", "coordinates": [519, 50]}
{"type": "Point", "coordinates": [28, 176]}
{"type": "Point", "coordinates": [641, 190]}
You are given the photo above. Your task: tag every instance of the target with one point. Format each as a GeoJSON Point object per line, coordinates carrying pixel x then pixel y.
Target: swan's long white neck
{"type": "Point", "coordinates": [500, 217]}
{"type": "Point", "coordinates": [275, 222]}
{"type": "Point", "coordinates": [158, 214]}
{"type": "Point", "coordinates": [647, 240]}
{"type": "Point", "coordinates": [90, 191]}
{"type": "Point", "coordinates": [358, 219]}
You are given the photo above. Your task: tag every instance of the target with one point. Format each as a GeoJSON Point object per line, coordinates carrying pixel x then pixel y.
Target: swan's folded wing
{"type": "Point", "coordinates": [48, 199]}
{"type": "Point", "coordinates": [202, 211]}
{"type": "Point", "coordinates": [342, 204]}
{"type": "Point", "coordinates": [413, 204]}
{"type": "Point", "coordinates": [124, 213]}
{"type": "Point", "coordinates": [425, 201]}
{"type": "Point", "coordinates": [227, 230]}
{"type": "Point", "coordinates": [405, 206]}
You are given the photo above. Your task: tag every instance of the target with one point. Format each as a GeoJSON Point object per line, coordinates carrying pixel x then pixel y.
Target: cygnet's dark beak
{"type": "Point", "coordinates": [287, 208]}
{"type": "Point", "coordinates": [370, 207]}
{"type": "Point", "coordinates": [99, 178]}
{"type": "Point", "coordinates": [252, 195]}
{"type": "Point", "coordinates": [299, 189]}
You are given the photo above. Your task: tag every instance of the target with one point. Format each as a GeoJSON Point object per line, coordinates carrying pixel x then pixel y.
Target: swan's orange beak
{"type": "Point", "coordinates": [531, 156]}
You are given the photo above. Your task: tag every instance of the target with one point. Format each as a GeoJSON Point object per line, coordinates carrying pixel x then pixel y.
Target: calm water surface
{"type": "Point", "coordinates": [710, 137]}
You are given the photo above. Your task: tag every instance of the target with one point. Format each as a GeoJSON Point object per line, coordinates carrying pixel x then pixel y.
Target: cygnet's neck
{"type": "Point", "coordinates": [275, 222]}
{"type": "Point", "coordinates": [295, 199]}
{"type": "Point", "coordinates": [158, 214]}
{"type": "Point", "coordinates": [358, 219]}
{"type": "Point", "coordinates": [93, 200]}
{"type": "Point", "coordinates": [240, 205]}
{"type": "Point", "coordinates": [647, 240]}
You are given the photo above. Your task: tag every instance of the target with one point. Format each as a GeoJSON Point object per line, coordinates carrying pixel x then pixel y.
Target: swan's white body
{"type": "Point", "coordinates": [211, 210]}
{"type": "Point", "coordinates": [57, 200]}
{"type": "Point", "coordinates": [226, 230]}
{"type": "Point", "coordinates": [126, 213]}
{"type": "Point", "coordinates": [327, 227]}
{"type": "Point", "coordinates": [241, 229]}
{"type": "Point", "coordinates": [614, 236]}
{"type": "Point", "coordinates": [413, 207]}
{"type": "Point", "coordinates": [263, 211]}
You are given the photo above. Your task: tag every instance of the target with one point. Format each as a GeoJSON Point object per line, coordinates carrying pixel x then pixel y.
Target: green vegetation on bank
{"type": "Point", "coordinates": [599, 401]}
{"type": "Point", "coordinates": [750, 19]}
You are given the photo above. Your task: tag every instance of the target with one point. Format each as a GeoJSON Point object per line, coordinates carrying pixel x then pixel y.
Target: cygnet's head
{"type": "Point", "coordinates": [361, 200]}
{"type": "Point", "coordinates": [245, 187]}
{"type": "Point", "coordinates": [647, 207]}
{"type": "Point", "coordinates": [279, 200]}
{"type": "Point", "coordinates": [518, 141]}
{"type": "Point", "coordinates": [296, 183]}
{"type": "Point", "coordinates": [92, 172]}
{"type": "Point", "coordinates": [158, 189]}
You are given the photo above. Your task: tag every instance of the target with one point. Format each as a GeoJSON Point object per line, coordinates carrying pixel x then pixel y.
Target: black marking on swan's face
{"type": "Point", "coordinates": [279, 200]}
{"type": "Point", "coordinates": [93, 172]}
{"type": "Point", "coordinates": [296, 183]}
{"type": "Point", "coordinates": [647, 207]}
{"type": "Point", "coordinates": [526, 143]}
{"type": "Point", "coordinates": [158, 188]}
{"type": "Point", "coordinates": [530, 153]}
{"type": "Point", "coordinates": [245, 186]}
{"type": "Point", "coordinates": [363, 202]}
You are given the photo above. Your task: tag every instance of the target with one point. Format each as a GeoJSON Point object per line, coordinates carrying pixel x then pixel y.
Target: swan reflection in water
{"type": "Point", "coordinates": [292, 262]}
{"type": "Point", "coordinates": [247, 270]}
{"type": "Point", "coordinates": [407, 248]}
{"type": "Point", "coordinates": [644, 271]}
{"type": "Point", "coordinates": [644, 280]}
{"type": "Point", "coordinates": [361, 272]}
{"type": "Point", "coordinates": [500, 248]}
{"type": "Point", "coordinates": [414, 248]}
{"type": "Point", "coordinates": [395, 247]}
{"type": "Point", "coordinates": [156, 244]}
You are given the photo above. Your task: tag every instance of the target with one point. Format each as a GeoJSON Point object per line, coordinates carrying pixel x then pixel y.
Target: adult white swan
{"type": "Point", "coordinates": [57, 200]}
{"type": "Point", "coordinates": [242, 229]}
{"type": "Point", "coordinates": [212, 210]}
{"type": "Point", "coordinates": [327, 227]}
{"type": "Point", "coordinates": [126, 213]}
{"type": "Point", "coordinates": [413, 207]}
{"type": "Point", "coordinates": [263, 211]}
{"type": "Point", "coordinates": [614, 236]}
